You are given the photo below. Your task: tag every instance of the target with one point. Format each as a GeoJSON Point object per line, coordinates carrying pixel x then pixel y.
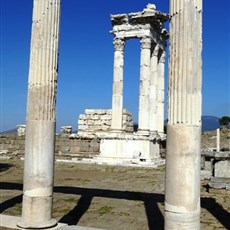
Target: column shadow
{"type": "Point", "coordinates": [153, 213]}
{"type": "Point", "coordinates": [10, 203]}
{"type": "Point", "coordinates": [74, 216]}
{"type": "Point", "coordinates": [217, 211]}
{"type": "Point", "coordinates": [151, 201]}
{"type": "Point", "coordinates": [5, 167]}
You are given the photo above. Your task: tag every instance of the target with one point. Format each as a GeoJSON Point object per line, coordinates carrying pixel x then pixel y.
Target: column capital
{"type": "Point", "coordinates": [146, 42]}
{"type": "Point", "coordinates": [162, 56]}
{"type": "Point", "coordinates": [155, 49]}
{"type": "Point", "coordinates": [119, 43]}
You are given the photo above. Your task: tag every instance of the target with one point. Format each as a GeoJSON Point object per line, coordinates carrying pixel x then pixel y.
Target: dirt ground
{"type": "Point", "coordinates": [208, 140]}
{"type": "Point", "coordinates": [110, 197]}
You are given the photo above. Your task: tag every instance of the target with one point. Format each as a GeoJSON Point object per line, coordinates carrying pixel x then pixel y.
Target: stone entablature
{"type": "Point", "coordinates": [98, 121]}
{"type": "Point", "coordinates": [148, 22]}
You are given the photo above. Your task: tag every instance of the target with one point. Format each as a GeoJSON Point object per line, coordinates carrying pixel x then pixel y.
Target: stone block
{"type": "Point", "coordinates": [106, 117]}
{"type": "Point", "coordinates": [21, 130]}
{"type": "Point", "coordinates": [208, 165]}
{"type": "Point", "coordinates": [82, 127]}
{"type": "Point", "coordinates": [205, 174]}
{"type": "Point", "coordinates": [17, 147]}
{"type": "Point", "coordinates": [222, 169]}
{"type": "Point", "coordinates": [66, 131]}
{"type": "Point", "coordinates": [219, 182]}
{"type": "Point", "coordinates": [100, 120]}
{"type": "Point", "coordinates": [82, 117]}
{"type": "Point", "coordinates": [74, 149]}
{"type": "Point", "coordinates": [90, 111]}
{"type": "Point", "coordinates": [84, 148]}
{"type": "Point", "coordinates": [95, 117]}
{"type": "Point", "coordinates": [131, 149]}
{"type": "Point", "coordinates": [107, 123]}
{"type": "Point", "coordinates": [64, 148]}
{"type": "Point", "coordinates": [81, 122]}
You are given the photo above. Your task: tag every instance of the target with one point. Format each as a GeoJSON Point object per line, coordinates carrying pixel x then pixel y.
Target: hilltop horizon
{"type": "Point", "coordinates": [209, 123]}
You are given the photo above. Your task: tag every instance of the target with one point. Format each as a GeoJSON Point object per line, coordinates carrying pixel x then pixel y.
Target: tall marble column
{"type": "Point", "coordinates": [41, 116]}
{"type": "Point", "coordinates": [153, 101]}
{"type": "Point", "coordinates": [160, 96]}
{"type": "Point", "coordinates": [143, 116]}
{"type": "Point", "coordinates": [182, 185]}
{"type": "Point", "coordinates": [117, 100]}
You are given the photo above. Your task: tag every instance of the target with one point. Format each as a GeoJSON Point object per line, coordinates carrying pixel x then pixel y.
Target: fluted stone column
{"type": "Point", "coordinates": [41, 116]}
{"type": "Point", "coordinates": [117, 100]}
{"type": "Point", "coordinates": [160, 96]}
{"type": "Point", "coordinates": [153, 101]}
{"type": "Point", "coordinates": [145, 69]}
{"type": "Point", "coordinates": [182, 186]}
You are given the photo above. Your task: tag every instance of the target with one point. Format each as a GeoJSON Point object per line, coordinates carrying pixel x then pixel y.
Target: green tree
{"type": "Point", "coordinates": [224, 121]}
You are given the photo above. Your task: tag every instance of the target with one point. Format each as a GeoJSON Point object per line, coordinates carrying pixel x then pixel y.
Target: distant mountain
{"type": "Point", "coordinates": [210, 123]}
{"type": "Point", "coordinates": [11, 131]}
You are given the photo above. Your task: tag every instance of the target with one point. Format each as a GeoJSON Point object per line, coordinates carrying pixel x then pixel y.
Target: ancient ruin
{"type": "Point", "coordinates": [148, 26]}
{"type": "Point", "coordinates": [21, 130]}
{"type": "Point", "coordinates": [141, 146]}
{"type": "Point", "coordinates": [97, 122]}
{"type": "Point", "coordinates": [182, 193]}
{"type": "Point", "coordinates": [182, 186]}
{"type": "Point", "coordinates": [41, 117]}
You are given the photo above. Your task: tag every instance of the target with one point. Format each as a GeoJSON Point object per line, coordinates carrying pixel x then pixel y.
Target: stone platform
{"type": "Point", "coordinates": [10, 222]}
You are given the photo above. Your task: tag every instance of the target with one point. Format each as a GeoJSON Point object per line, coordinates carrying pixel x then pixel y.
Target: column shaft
{"type": "Point", "coordinates": [41, 116]}
{"type": "Point", "coordinates": [117, 100]}
{"type": "Point", "coordinates": [143, 118]}
{"type": "Point", "coordinates": [153, 90]}
{"type": "Point", "coordinates": [160, 96]}
{"type": "Point", "coordinates": [182, 186]}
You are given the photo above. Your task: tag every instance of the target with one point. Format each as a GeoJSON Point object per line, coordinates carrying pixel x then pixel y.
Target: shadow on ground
{"type": "Point", "coordinates": [87, 194]}
{"type": "Point", "coordinates": [153, 213]}
{"type": "Point", "coordinates": [217, 211]}
{"type": "Point", "coordinates": [5, 167]}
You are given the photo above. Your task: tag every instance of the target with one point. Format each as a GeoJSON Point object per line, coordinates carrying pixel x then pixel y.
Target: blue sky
{"type": "Point", "coordinates": [86, 58]}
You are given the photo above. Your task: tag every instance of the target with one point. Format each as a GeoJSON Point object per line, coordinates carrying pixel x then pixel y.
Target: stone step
{"type": "Point", "coordinates": [219, 182]}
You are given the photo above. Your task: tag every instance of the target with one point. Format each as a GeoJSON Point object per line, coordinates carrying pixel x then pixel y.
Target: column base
{"type": "Point", "coordinates": [153, 133]}
{"type": "Point", "coordinates": [36, 213]}
{"type": "Point", "coordinates": [116, 131]}
{"type": "Point", "coordinates": [182, 221]}
{"type": "Point", "coordinates": [143, 132]}
{"type": "Point", "coordinates": [30, 225]}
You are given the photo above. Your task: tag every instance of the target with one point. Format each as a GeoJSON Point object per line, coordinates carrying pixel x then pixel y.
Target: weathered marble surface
{"type": "Point", "coordinates": [182, 186]}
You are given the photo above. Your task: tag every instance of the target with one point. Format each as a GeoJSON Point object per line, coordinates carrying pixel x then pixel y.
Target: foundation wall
{"type": "Point", "coordinates": [14, 146]}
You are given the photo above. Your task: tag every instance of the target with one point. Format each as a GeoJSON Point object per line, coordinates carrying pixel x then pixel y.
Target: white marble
{"type": "Point", "coordinates": [182, 185]}
{"type": "Point", "coordinates": [117, 100]}
{"type": "Point", "coordinates": [41, 117]}
{"type": "Point", "coordinates": [145, 71]}
{"type": "Point", "coordinates": [114, 149]}
{"type": "Point", "coordinates": [160, 93]}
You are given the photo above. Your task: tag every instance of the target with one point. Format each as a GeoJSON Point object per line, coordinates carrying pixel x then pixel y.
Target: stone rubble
{"type": "Point", "coordinates": [98, 121]}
